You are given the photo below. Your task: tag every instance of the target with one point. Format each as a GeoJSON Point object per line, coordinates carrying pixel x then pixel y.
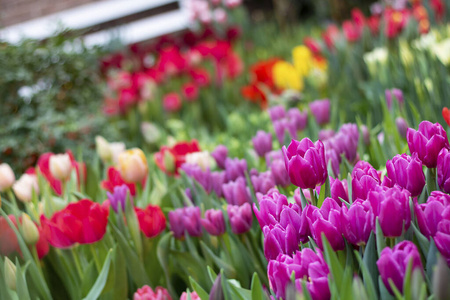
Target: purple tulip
{"type": "Point", "coordinates": [391, 206]}
{"type": "Point", "coordinates": [217, 181]}
{"type": "Point", "coordinates": [346, 141]}
{"type": "Point", "coordinates": [366, 135]}
{"type": "Point", "coordinates": [306, 216]}
{"type": "Point", "coordinates": [393, 263]}
{"type": "Point", "coordinates": [279, 240]}
{"type": "Point", "coordinates": [214, 222]}
{"type": "Point", "coordinates": [364, 179]}
{"type": "Point", "coordinates": [321, 111]}
{"type": "Point", "coordinates": [333, 156]}
{"type": "Point", "coordinates": [281, 126]}
{"type": "Point", "coordinates": [305, 162]}
{"type": "Point", "coordinates": [300, 119]}
{"type": "Point", "coordinates": [402, 126]}
{"type": "Point", "coordinates": [262, 142]}
{"type": "Point", "coordinates": [270, 207]}
{"type": "Point", "coordinates": [185, 219]}
{"type": "Point", "coordinates": [279, 173]}
{"type": "Point", "coordinates": [197, 173]}
{"type": "Point", "coordinates": [273, 156]}
{"type": "Point", "coordinates": [357, 222]}
{"type": "Point", "coordinates": [427, 142]}
{"type": "Point", "coordinates": [119, 197]}
{"type": "Point", "coordinates": [305, 264]}
{"type": "Point", "coordinates": [188, 193]}
{"type": "Point", "coordinates": [235, 168]}
{"type": "Point", "coordinates": [398, 94]}
{"type": "Point", "coordinates": [442, 237]}
{"type": "Point", "coordinates": [326, 134]}
{"type": "Point", "coordinates": [277, 112]}
{"type": "Point", "coordinates": [236, 192]}
{"type": "Point", "coordinates": [339, 189]}
{"type": "Point", "coordinates": [263, 182]}
{"type": "Point", "coordinates": [240, 218]}
{"type": "Point", "coordinates": [327, 221]}
{"type": "Point", "coordinates": [429, 214]}
{"type": "Point", "coordinates": [220, 154]}
{"type": "Point", "coordinates": [443, 170]}
{"type": "Point", "coordinates": [406, 171]}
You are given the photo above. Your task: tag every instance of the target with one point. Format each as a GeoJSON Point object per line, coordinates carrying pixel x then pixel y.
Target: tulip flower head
{"type": "Point", "coordinates": [321, 111]}
{"type": "Point", "coordinates": [151, 220]}
{"type": "Point", "coordinates": [431, 213]}
{"type": "Point", "coordinates": [147, 293]}
{"type": "Point", "coordinates": [133, 165]}
{"type": "Point", "coordinates": [185, 219]}
{"type": "Point", "coordinates": [220, 155]}
{"type": "Point", "coordinates": [406, 171]}
{"type": "Point", "coordinates": [241, 218]}
{"type": "Point", "coordinates": [443, 170]}
{"type": "Point", "coordinates": [262, 142]}
{"type": "Point", "coordinates": [24, 187]}
{"type": "Point", "coordinates": [214, 222]}
{"type": "Point", "coordinates": [60, 166]}
{"type": "Point", "coordinates": [7, 177]}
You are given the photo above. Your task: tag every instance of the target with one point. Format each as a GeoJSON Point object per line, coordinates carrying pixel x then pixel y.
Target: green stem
{"type": "Point", "coordinates": [77, 262]}
{"type": "Point", "coordinates": [96, 260]}
{"type": "Point", "coordinates": [313, 197]}
{"type": "Point", "coordinates": [13, 199]}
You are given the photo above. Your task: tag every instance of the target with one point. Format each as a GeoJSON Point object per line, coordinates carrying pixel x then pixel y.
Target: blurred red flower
{"type": "Point", "coordinates": [151, 220]}
{"type": "Point", "coordinates": [115, 179]}
{"type": "Point", "coordinates": [176, 154]}
{"type": "Point", "coordinates": [446, 115]}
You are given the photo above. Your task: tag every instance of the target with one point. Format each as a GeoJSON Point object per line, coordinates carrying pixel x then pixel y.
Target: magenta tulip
{"type": "Point", "coordinates": [406, 171]}
{"type": "Point", "coordinates": [443, 170]}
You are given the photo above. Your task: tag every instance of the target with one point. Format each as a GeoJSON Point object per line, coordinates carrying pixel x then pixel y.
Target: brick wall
{"type": "Point", "coordinates": [17, 11]}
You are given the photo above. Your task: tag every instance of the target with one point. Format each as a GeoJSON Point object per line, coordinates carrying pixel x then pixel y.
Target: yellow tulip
{"type": "Point", "coordinates": [133, 165]}
{"type": "Point", "coordinates": [286, 76]}
{"type": "Point", "coordinates": [302, 58]}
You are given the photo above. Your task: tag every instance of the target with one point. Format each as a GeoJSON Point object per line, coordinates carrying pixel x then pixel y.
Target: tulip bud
{"type": "Point", "coordinates": [103, 148]}
{"type": "Point", "coordinates": [202, 159]}
{"type": "Point", "coordinates": [169, 162]}
{"type": "Point", "coordinates": [366, 135]}
{"type": "Point", "coordinates": [321, 111]}
{"type": "Point", "coordinates": [240, 218]}
{"type": "Point", "coordinates": [407, 172]}
{"type": "Point", "coordinates": [216, 292]}
{"type": "Point", "coordinates": [60, 166]}
{"type": "Point", "coordinates": [262, 142]}
{"type": "Point", "coordinates": [443, 170]}
{"type": "Point", "coordinates": [116, 149]}
{"type": "Point", "coordinates": [30, 231]}
{"type": "Point", "coordinates": [277, 112]}
{"type": "Point", "coordinates": [236, 192]}
{"type": "Point", "coordinates": [23, 188]}
{"type": "Point", "coordinates": [402, 126]}
{"type": "Point", "coordinates": [10, 274]}
{"type": "Point", "coordinates": [133, 165]}
{"type": "Point", "coordinates": [150, 132]}
{"type": "Point", "coordinates": [6, 177]}
{"type": "Point", "coordinates": [220, 155]}
{"type": "Point", "coordinates": [214, 222]}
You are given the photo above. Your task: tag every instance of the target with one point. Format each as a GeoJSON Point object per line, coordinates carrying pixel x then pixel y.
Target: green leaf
{"type": "Point", "coordinates": [424, 243]}
{"type": "Point", "coordinates": [431, 260]}
{"type": "Point", "coordinates": [228, 268]}
{"type": "Point", "coordinates": [21, 283]}
{"type": "Point", "coordinates": [97, 288]}
{"type": "Point", "coordinates": [381, 243]}
{"type": "Point", "coordinates": [198, 289]}
{"type": "Point", "coordinates": [212, 274]}
{"type": "Point", "coordinates": [163, 251]}
{"type": "Point", "coordinates": [384, 293]}
{"type": "Point", "coordinates": [324, 192]}
{"type": "Point", "coordinates": [336, 269]}
{"type": "Point", "coordinates": [370, 265]}
{"type": "Point", "coordinates": [256, 288]}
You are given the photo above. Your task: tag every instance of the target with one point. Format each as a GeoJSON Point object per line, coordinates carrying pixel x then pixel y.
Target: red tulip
{"type": "Point", "coordinates": [190, 91]}
{"type": "Point", "coordinates": [8, 239]}
{"type": "Point", "coordinates": [151, 220]}
{"type": "Point", "coordinates": [446, 115]}
{"type": "Point", "coordinates": [81, 222]}
{"type": "Point", "coordinates": [172, 102]}
{"type": "Point", "coordinates": [114, 179]}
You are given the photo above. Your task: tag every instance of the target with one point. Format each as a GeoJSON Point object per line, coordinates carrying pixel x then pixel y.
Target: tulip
{"type": "Point", "coordinates": [402, 126]}
{"type": "Point", "coordinates": [427, 142]}
{"type": "Point", "coordinates": [7, 177]}
{"type": "Point", "coordinates": [240, 218]}
{"type": "Point", "coordinates": [305, 162]}
{"type": "Point", "coordinates": [60, 166]}
{"type": "Point", "coordinates": [366, 135]}
{"type": "Point", "coordinates": [116, 149]}
{"type": "Point", "coordinates": [325, 134]}
{"type": "Point", "coordinates": [279, 240]}
{"type": "Point", "coordinates": [391, 206]}
{"type": "Point", "coordinates": [118, 197]}
{"type": "Point", "coordinates": [236, 192]}
{"type": "Point", "coordinates": [235, 168]}
{"type": "Point", "coordinates": [339, 189]}
{"type": "Point", "coordinates": [147, 293]}
{"type": "Point", "coordinates": [8, 238]}
{"type": "Point", "coordinates": [406, 171]}
{"type": "Point", "coordinates": [23, 188]}
{"type": "Point", "coordinates": [279, 173]}
{"type": "Point", "coordinates": [214, 223]}
{"type": "Point", "coordinates": [192, 296]}
{"type": "Point", "coordinates": [150, 132]}
{"type": "Point", "coordinates": [217, 181]}
{"type": "Point", "coordinates": [398, 94]}
{"type": "Point", "coordinates": [30, 231]}
{"type": "Point", "coordinates": [151, 220]}
{"type": "Point", "coordinates": [10, 274]}
{"type": "Point", "coordinates": [114, 180]}
{"type": "Point", "coordinates": [103, 148]}
{"type": "Point", "coordinates": [216, 292]}
{"type": "Point", "coordinates": [170, 159]}
{"type": "Point", "coordinates": [321, 111]}
{"type": "Point", "coordinates": [300, 119]}
{"type": "Point", "coordinates": [393, 263]}
{"type": "Point", "coordinates": [273, 156]}
{"type": "Point", "coordinates": [203, 177]}
{"type": "Point", "coordinates": [220, 155]}
{"type": "Point", "coordinates": [283, 125]}
{"type": "Point", "coordinates": [203, 159]}
{"type": "Point", "coordinates": [190, 91]}
{"type": "Point", "coordinates": [357, 222]}
{"type": "Point", "coordinates": [133, 165]}
{"type": "Point", "coordinates": [446, 115]}
{"type": "Point", "coordinates": [262, 142]}
{"type": "Point", "coordinates": [276, 113]}
{"type": "Point", "coordinates": [172, 102]}
{"type": "Point", "coordinates": [430, 213]}
{"type": "Point", "coordinates": [443, 170]}
{"type": "Point", "coordinates": [364, 179]}
{"type": "Point", "coordinates": [263, 182]}
{"type": "Point", "coordinates": [327, 221]}
{"type": "Point", "coordinates": [270, 207]}
{"type": "Point", "coordinates": [185, 219]}
{"type": "Point", "coordinates": [333, 156]}
{"type": "Point", "coordinates": [442, 237]}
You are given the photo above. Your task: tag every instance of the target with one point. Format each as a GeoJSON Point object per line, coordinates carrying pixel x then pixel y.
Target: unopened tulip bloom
{"type": "Point", "coordinates": [396, 93]}
{"type": "Point", "coordinates": [29, 230]}
{"type": "Point", "coordinates": [151, 220]}
{"type": "Point", "coordinates": [214, 223]}
{"type": "Point", "coordinates": [10, 274]}
{"type": "Point", "coordinates": [321, 111]}
{"type": "Point", "coordinates": [391, 206]}
{"type": "Point", "coordinates": [147, 293]}
{"type": "Point", "coordinates": [236, 192]}
{"type": "Point", "coordinates": [300, 119]}
{"type": "Point", "coordinates": [203, 177]}
{"type": "Point", "coordinates": [339, 189]}
{"type": "Point", "coordinates": [427, 142]}
{"type": "Point", "coordinates": [7, 177]}
{"type": "Point", "coordinates": [276, 113]}
{"type": "Point", "coordinates": [192, 295]}
{"type": "Point", "coordinates": [430, 213]}
{"type": "Point", "coordinates": [102, 147]}
{"type": "Point", "coordinates": [402, 126]}
{"type": "Point", "coordinates": [217, 181]}
{"type": "Point", "coordinates": [190, 91]}
{"type": "Point", "coordinates": [262, 142]}
{"type": "Point", "coordinates": [23, 188]}
{"type": "Point", "coordinates": [235, 168]}
{"type": "Point", "coordinates": [240, 218]}
{"type": "Point", "coordinates": [406, 171]}
{"type": "Point", "coordinates": [346, 141]}
{"type": "Point", "coordinates": [185, 219]}
{"type": "Point", "coordinates": [443, 170]}
{"type": "Point", "coordinates": [60, 166]}
{"type": "Point", "coordinates": [305, 162]}
{"type": "Point", "coordinates": [357, 222]}
{"type": "Point", "coordinates": [262, 182]}
{"type": "Point", "coordinates": [442, 237]}
{"type": "Point", "coordinates": [270, 207]}
{"type": "Point", "coordinates": [364, 179]}
{"type": "Point", "coordinates": [281, 126]}
{"type": "Point", "coordinates": [150, 132]}
{"type": "Point", "coordinates": [279, 173]}
{"type": "Point", "coordinates": [203, 159]}
{"type": "Point", "coordinates": [279, 240]}
{"type": "Point", "coordinates": [325, 134]}
{"type": "Point", "coordinates": [220, 155]}
{"type": "Point", "coordinates": [133, 165]}
{"type": "Point", "coordinates": [118, 197]}
{"type": "Point", "coordinates": [366, 135]}
{"type": "Point", "coordinates": [393, 263]}
{"type": "Point", "coordinates": [172, 102]}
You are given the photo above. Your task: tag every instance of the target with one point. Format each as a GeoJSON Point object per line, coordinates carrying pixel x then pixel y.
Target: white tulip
{"type": "Point", "coordinates": [60, 166]}
{"type": "Point", "coordinates": [7, 177]}
{"type": "Point", "coordinates": [23, 188]}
